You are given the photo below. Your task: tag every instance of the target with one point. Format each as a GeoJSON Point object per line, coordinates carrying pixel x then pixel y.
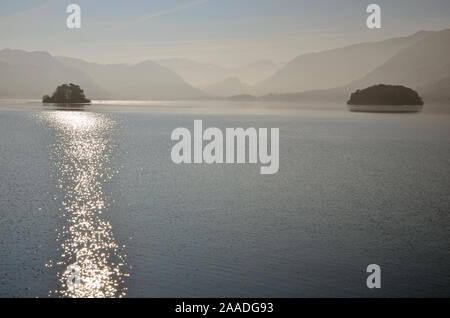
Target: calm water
{"type": "Point", "coordinates": [96, 188]}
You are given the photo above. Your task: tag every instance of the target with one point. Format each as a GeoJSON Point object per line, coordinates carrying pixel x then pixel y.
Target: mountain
{"type": "Point", "coordinates": [231, 86]}
{"type": "Point", "coordinates": [423, 65]}
{"type": "Point", "coordinates": [418, 66]}
{"type": "Point", "coordinates": [146, 80]}
{"type": "Point", "coordinates": [255, 72]}
{"type": "Point", "coordinates": [204, 74]}
{"type": "Point", "coordinates": [334, 68]}
{"type": "Point", "coordinates": [438, 90]}
{"type": "Point", "coordinates": [195, 73]}
{"type": "Point", "coordinates": [34, 74]}
{"type": "Point", "coordinates": [419, 61]}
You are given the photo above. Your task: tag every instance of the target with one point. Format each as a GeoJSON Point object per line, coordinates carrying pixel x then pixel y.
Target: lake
{"type": "Point", "coordinates": [96, 187]}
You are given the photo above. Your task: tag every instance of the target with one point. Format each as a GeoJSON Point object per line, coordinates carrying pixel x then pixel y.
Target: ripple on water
{"type": "Point", "coordinates": [82, 156]}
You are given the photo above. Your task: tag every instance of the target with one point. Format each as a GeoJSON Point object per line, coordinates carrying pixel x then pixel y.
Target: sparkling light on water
{"type": "Point", "coordinates": [82, 154]}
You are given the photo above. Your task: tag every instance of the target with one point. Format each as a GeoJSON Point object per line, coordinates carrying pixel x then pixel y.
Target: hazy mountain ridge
{"type": "Point", "coordinates": [423, 65]}
{"type": "Point", "coordinates": [34, 74]}
{"type": "Point", "coordinates": [203, 75]}
{"type": "Point", "coordinates": [439, 90]}
{"type": "Point", "coordinates": [145, 80]}
{"type": "Point", "coordinates": [197, 74]}
{"type": "Point", "coordinates": [333, 68]}
{"type": "Point", "coordinates": [228, 87]}
{"type": "Point", "coordinates": [420, 61]}
{"type": "Point", "coordinates": [417, 66]}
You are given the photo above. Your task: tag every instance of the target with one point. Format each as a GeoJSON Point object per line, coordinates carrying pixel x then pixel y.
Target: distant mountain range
{"type": "Point", "coordinates": [228, 87]}
{"type": "Point", "coordinates": [34, 74]}
{"type": "Point", "coordinates": [423, 64]}
{"type": "Point", "coordinates": [334, 68]}
{"type": "Point", "coordinates": [419, 65]}
{"type": "Point", "coordinates": [420, 61]}
{"type": "Point", "coordinates": [202, 75]}
{"type": "Point", "coordinates": [146, 80]}
{"type": "Point", "coordinates": [438, 90]}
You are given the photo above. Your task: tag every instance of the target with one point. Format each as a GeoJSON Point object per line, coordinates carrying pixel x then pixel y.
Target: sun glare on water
{"type": "Point", "coordinates": [82, 156]}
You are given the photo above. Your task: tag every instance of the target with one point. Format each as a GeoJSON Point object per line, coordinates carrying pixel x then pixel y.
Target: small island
{"type": "Point", "coordinates": [386, 98]}
{"type": "Point", "coordinates": [243, 98]}
{"type": "Point", "coordinates": [67, 94]}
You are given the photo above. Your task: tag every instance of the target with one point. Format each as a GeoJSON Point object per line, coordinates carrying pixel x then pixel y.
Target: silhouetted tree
{"type": "Point", "coordinates": [385, 95]}
{"type": "Point", "coordinates": [67, 93]}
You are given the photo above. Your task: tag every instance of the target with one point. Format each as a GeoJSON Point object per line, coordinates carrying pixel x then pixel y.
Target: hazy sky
{"type": "Point", "coordinates": [224, 32]}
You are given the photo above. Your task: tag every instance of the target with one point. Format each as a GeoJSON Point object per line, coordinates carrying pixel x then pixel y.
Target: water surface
{"type": "Point", "coordinates": [96, 187]}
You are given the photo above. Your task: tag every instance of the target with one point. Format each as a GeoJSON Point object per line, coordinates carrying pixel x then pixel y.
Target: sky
{"type": "Point", "coordinates": [223, 32]}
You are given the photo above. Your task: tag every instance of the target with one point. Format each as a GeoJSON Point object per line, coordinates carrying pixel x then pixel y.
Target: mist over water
{"type": "Point", "coordinates": [97, 188]}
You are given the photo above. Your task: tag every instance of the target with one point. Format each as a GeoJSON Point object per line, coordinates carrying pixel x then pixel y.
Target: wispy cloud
{"type": "Point", "coordinates": [173, 10]}
{"type": "Point", "coordinates": [26, 14]}
{"type": "Point", "coordinates": [181, 7]}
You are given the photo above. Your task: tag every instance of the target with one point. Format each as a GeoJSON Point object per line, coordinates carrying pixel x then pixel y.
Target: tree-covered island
{"type": "Point", "coordinates": [67, 94]}
{"type": "Point", "coordinates": [385, 95]}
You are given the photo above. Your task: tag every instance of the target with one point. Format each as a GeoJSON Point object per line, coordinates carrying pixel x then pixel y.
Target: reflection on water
{"type": "Point", "coordinates": [82, 154]}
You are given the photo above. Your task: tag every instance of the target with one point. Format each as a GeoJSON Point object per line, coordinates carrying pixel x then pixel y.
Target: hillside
{"type": "Point", "coordinates": [229, 87]}
{"type": "Point", "coordinates": [334, 68]}
{"type": "Point", "coordinates": [424, 66]}
{"type": "Point", "coordinates": [195, 73]}
{"type": "Point", "coordinates": [417, 66]}
{"type": "Point", "coordinates": [146, 80]}
{"type": "Point", "coordinates": [438, 90]}
{"type": "Point", "coordinates": [32, 74]}
{"type": "Point", "coordinates": [205, 74]}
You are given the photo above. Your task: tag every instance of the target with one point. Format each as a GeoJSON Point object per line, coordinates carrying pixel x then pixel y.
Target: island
{"type": "Point", "coordinates": [385, 98]}
{"type": "Point", "coordinates": [67, 94]}
{"type": "Point", "coordinates": [243, 98]}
